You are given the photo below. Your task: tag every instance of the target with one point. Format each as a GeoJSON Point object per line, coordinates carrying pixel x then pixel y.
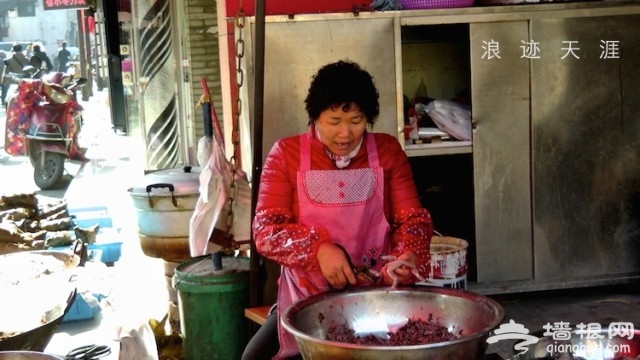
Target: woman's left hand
{"type": "Point", "coordinates": [400, 270]}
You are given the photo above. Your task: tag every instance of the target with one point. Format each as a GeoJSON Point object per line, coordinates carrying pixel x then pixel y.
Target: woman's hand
{"type": "Point", "coordinates": [401, 270]}
{"type": "Point", "coordinates": [335, 266]}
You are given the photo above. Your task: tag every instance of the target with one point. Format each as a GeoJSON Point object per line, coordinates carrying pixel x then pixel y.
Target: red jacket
{"type": "Point", "coordinates": [275, 225]}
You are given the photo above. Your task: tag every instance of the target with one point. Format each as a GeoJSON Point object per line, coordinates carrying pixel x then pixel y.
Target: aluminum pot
{"type": "Point", "coordinates": [172, 249]}
{"type": "Point", "coordinates": [165, 200]}
{"type": "Point", "coordinates": [472, 315]}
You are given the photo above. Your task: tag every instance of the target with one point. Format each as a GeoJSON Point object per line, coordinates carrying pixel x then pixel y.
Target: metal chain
{"type": "Point", "coordinates": [235, 133]}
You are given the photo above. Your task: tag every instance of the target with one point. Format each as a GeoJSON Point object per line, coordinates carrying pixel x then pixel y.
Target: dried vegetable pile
{"type": "Point", "coordinates": [414, 332]}
{"type": "Point", "coordinates": [26, 224]}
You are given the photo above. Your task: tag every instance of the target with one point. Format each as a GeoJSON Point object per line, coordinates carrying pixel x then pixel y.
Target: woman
{"type": "Point", "coordinates": [335, 198]}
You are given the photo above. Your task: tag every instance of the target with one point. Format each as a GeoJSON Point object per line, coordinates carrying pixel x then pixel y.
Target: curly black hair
{"type": "Point", "coordinates": [342, 84]}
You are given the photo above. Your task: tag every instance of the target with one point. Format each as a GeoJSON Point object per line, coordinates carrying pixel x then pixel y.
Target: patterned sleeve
{"type": "Point", "coordinates": [412, 231]}
{"type": "Point", "coordinates": [279, 238]}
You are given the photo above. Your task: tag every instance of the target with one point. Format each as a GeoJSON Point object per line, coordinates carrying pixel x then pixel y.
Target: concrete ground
{"type": "Point", "coordinates": [135, 285]}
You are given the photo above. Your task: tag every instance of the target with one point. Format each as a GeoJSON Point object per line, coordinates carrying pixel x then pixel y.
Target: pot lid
{"type": "Point", "coordinates": [180, 181]}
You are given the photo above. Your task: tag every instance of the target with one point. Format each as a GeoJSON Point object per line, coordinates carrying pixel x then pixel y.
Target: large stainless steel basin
{"type": "Point", "coordinates": [472, 315]}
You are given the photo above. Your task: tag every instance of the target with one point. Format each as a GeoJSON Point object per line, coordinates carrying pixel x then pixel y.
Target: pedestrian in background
{"type": "Point", "coordinates": [5, 77]}
{"type": "Point", "coordinates": [12, 64]}
{"type": "Point", "coordinates": [28, 52]}
{"type": "Point", "coordinates": [17, 61]}
{"type": "Point", "coordinates": [63, 57]}
{"type": "Point", "coordinates": [40, 60]}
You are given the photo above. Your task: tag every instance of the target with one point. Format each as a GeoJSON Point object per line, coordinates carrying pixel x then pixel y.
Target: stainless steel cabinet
{"type": "Point", "coordinates": [501, 153]}
{"type": "Point", "coordinates": [556, 152]}
{"type": "Point", "coordinates": [585, 122]}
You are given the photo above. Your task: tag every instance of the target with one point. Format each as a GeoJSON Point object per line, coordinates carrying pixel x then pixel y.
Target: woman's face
{"type": "Point", "coordinates": [339, 130]}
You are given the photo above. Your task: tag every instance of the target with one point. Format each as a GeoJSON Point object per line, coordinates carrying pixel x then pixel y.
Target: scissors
{"type": "Point", "coordinates": [364, 273]}
{"type": "Point", "coordinates": [88, 352]}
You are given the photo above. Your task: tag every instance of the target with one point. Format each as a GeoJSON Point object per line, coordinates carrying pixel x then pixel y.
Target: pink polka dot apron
{"type": "Point", "coordinates": [349, 203]}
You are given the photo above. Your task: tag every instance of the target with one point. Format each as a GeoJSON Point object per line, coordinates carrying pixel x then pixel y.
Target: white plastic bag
{"type": "Point", "coordinates": [137, 343]}
{"type": "Point", "coordinates": [451, 117]}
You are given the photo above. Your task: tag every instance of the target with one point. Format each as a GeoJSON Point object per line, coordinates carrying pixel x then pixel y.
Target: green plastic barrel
{"type": "Point", "coordinates": [211, 305]}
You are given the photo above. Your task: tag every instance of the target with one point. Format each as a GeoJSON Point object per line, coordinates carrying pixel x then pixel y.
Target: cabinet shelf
{"type": "Point", "coordinates": [435, 63]}
{"type": "Point", "coordinates": [442, 148]}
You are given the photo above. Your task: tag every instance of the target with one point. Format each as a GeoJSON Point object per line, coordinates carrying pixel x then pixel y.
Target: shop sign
{"type": "Point", "coordinates": [66, 4]}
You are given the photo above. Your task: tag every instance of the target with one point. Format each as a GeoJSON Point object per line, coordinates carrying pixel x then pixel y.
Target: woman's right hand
{"type": "Point", "coordinates": [335, 266]}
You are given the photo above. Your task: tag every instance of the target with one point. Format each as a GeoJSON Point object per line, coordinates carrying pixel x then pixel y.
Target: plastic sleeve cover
{"type": "Point", "coordinates": [411, 231]}
{"type": "Point", "coordinates": [279, 238]}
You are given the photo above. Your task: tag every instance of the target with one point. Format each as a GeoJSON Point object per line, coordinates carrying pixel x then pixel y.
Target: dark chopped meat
{"type": "Point", "coordinates": [341, 333]}
{"type": "Point", "coordinates": [415, 332]}
{"type": "Point", "coordinates": [420, 332]}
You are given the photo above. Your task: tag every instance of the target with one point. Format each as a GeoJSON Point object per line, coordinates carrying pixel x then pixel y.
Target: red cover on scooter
{"type": "Point", "coordinates": [30, 108]}
{"type": "Point", "coordinates": [44, 119]}
{"type": "Point", "coordinates": [19, 111]}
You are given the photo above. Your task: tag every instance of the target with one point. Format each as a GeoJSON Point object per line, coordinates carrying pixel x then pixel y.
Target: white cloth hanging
{"type": "Point", "coordinates": [212, 208]}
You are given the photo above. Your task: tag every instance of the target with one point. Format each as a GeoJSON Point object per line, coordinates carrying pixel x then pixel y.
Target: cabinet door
{"type": "Point", "coordinates": [586, 148]}
{"type": "Point", "coordinates": [500, 96]}
{"type": "Point", "coordinates": [295, 50]}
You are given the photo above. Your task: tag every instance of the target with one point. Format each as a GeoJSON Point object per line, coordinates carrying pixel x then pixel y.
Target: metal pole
{"type": "Point", "coordinates": [84, 59]}
{"type": "Point", "coordinates": [258, 101]}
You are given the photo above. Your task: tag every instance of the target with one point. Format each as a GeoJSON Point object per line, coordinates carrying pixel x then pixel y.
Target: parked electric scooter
{"type": "Point", "coordinates": [43, 122]}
